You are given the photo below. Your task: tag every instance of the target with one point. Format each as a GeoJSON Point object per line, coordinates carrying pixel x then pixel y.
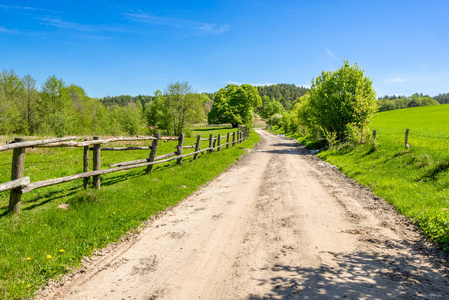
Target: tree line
{"type": "Point", "coordinates": [56, 108]}
{"type": "Point", "coordinates": [387, 103]}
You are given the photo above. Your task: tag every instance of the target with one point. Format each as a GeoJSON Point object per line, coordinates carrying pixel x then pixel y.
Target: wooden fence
{"type": "Point", "coordinates": [20, 184]}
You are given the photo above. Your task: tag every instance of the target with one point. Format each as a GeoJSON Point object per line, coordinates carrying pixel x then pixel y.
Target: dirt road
{"type": "Point", "coordinates": [279, 225]}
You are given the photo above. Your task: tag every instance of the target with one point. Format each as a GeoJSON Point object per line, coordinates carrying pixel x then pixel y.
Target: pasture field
{"type": "Point", "coordinates": [415, 181]}
{"type": "Point", "coordinates": [44, 241]}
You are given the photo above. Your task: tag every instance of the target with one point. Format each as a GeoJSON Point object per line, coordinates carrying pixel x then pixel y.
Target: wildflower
{"type": "Point", "coordinates": [28, 258]}
{"type": "Point", "coordinates": [62, 251]}
{"type": "Point", "coordinates": [49, 256]}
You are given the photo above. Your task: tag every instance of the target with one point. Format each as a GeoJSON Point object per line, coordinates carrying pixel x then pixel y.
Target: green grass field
{"type": "Point", "coordinates": [44, 241]}
{"type": "Point", "coordinates": [415, 181]}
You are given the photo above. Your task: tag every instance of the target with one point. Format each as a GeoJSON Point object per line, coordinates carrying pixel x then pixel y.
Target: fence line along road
{"type": "Point", "coordinates": [20, 184]}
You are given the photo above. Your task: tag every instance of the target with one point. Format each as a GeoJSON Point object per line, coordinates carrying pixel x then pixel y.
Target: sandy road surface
{"type": "Point", "coordinates": [279, 225]}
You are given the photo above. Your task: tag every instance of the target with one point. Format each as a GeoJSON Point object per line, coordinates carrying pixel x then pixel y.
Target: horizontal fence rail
{"type": "Point", "coordinates": [20, 185]}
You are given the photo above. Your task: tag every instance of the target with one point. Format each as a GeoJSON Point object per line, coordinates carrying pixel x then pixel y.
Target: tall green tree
{"type": "Point", "coordinates": [54, 106]}
{"type": "Point", "coordinates": [31, 95]}
{"type": "Point", "coordinates": [341, 98]}
{"type": "Point", "coordinates": [271, 108]}
{"type": "Point", "coordinates": [183, 104]}
{"type": "Point", "coordinates": [12, 91]}
{"type": "Point", "coordinates": [235, 104]}
{"type": "Point", "coordinates": [157, 115]}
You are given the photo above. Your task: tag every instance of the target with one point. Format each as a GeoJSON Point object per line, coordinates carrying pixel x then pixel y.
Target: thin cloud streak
{"type": "Point", "coordinates": [197, 27]}
{"type": "Point", "coordinates": [10, 31]}
{"type": "Point", "coordinates": [59, 23]}
{"type": "Point", "coordinates": [29, 8]}
{"type": "Point", "coordinates": [395, 80]}
{"type": "Point", "coordinates": [330, 53]}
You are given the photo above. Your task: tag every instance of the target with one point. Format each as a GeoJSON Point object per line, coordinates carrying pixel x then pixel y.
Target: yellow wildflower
{"type": "Point", "coordinates": [28, 258]}
{"type": "Point", "coordinates": [62, 251]}
{"type": "Point", "coordinates": [49, 256]}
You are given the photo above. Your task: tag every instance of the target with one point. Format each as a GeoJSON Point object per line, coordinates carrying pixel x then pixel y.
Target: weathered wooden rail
{"type": "Point", "coordinates": [20, 185]}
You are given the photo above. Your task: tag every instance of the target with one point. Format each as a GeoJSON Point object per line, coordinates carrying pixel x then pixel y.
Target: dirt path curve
{"type": "Point", "coordinates": [279, 225]}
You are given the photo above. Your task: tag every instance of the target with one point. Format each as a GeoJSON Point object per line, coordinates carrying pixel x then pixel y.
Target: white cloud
{"type": "Point", "coordinates": [59, 23]}
{"type": "Point", "coordinates": [28, 8]}
{"type": "Point", "coordinates": [395, 80]}
{"type": "Point", "coordinates": [329, 53]}
{"type": "Point", "coordinates": [5, 30]}
{"type": "Point", "coordinates": [197, 27]}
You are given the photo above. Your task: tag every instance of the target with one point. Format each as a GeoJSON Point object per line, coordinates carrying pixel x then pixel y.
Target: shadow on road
{"type": "Point", "coordinates": [358, 275]}
{"type": "Point", "coordinates": [288, 148]}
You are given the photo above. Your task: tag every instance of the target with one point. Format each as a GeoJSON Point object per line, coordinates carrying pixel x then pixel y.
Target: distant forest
{"type": "Point", "coordinates": [285, 93]}
{"type": "Point", "coordinates": [387, 103]}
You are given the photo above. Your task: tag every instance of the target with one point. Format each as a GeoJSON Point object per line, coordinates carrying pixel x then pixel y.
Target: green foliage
{"type": "Point", "coordinates": [53, 107]}
{"type": "Point", "coordinates": [286, 94]}
{"type": "Point", "coordinates": [235, 104]}
{"type": "Point", "coordinates": [183, 104]}
{"type": "Point", "coordinates": [11, 98]}
{"type": "Point", "coordinates": [275, 119]}
{"type": "Point", "coordinates": [442, 98]}
{"type": "Point", "coordinates": [131, 120]}
{"type": "Point", "coordinates": [342, 97]}
{"type": "Point", "coordinates": [271, 108]}
{"type": "Point", "coordinates": [387, 103]}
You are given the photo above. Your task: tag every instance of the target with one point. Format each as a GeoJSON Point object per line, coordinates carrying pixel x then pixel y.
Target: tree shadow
{"type": "Point", "coordinates": [358, 275]}
{"type": "Point", "coordinates": [288, 148]}
{"type": "Point", "coordinates": [42, 199]}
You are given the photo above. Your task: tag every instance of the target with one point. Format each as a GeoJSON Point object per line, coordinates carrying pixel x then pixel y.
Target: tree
{"type": "Point", "coordinates": [157, 115]}
{"type": "Point", "coordinates": [53, 107]}
{"type": "Point", "coordinates": [12, 90]}
{"type": "Point", "coordinates": [183, 104]}
{"type": "Point", "coordinates": [235, 104]}
{"type": "Point", "coordinates": [131, 118]}
{"type": "Point", "coordinates": [273, 107]}
{"type": "Point", "coordinates": [342, 98]}
{"type": "Point", "coordinates": [31, 94]}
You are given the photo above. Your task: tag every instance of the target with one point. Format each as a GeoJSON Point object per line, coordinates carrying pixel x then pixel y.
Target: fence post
{"type": "Point", "coordinates": [180, 144]}
{"type": "Point", "coordinates": [374, 134]}
{"type": "Point", "coordinates": [406, 138]}
{"type": "Point", "coordinates": [197, 146]}
{"type": "Point", "coordinates": [154, 145]}
{"type": "Point", "coordinates": [218, 142]}
{"type": "Point", "coordinates": [86, 165]}
{"type": "Point", "coordinates": [233, 138]}
{"type": "Point", "coordinates": [96, 163]}
{"type": "Point", "coordinates": [227, 141]}
{"type": "Point", "coordinates": [211, 137]}
{"type": "Point", "coordinates": [18, 161]}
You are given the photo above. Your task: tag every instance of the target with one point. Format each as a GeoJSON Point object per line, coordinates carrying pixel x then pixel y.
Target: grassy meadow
{"type": "Point", "coordinates": [44, 241]}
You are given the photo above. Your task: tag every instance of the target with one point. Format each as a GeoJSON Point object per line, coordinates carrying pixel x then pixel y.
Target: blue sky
{"type": "Point", "coordinates": [136, 47]}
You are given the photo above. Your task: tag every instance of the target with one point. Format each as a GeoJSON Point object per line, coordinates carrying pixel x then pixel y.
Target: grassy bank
{"type": "Point", "coordinates": [44, 241]}
{"type": "Point", "coordinates": [415, 181]}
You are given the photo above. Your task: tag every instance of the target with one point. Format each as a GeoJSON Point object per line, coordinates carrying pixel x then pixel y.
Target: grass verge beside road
{"type": "Point", "coordinates": [45, 241]}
